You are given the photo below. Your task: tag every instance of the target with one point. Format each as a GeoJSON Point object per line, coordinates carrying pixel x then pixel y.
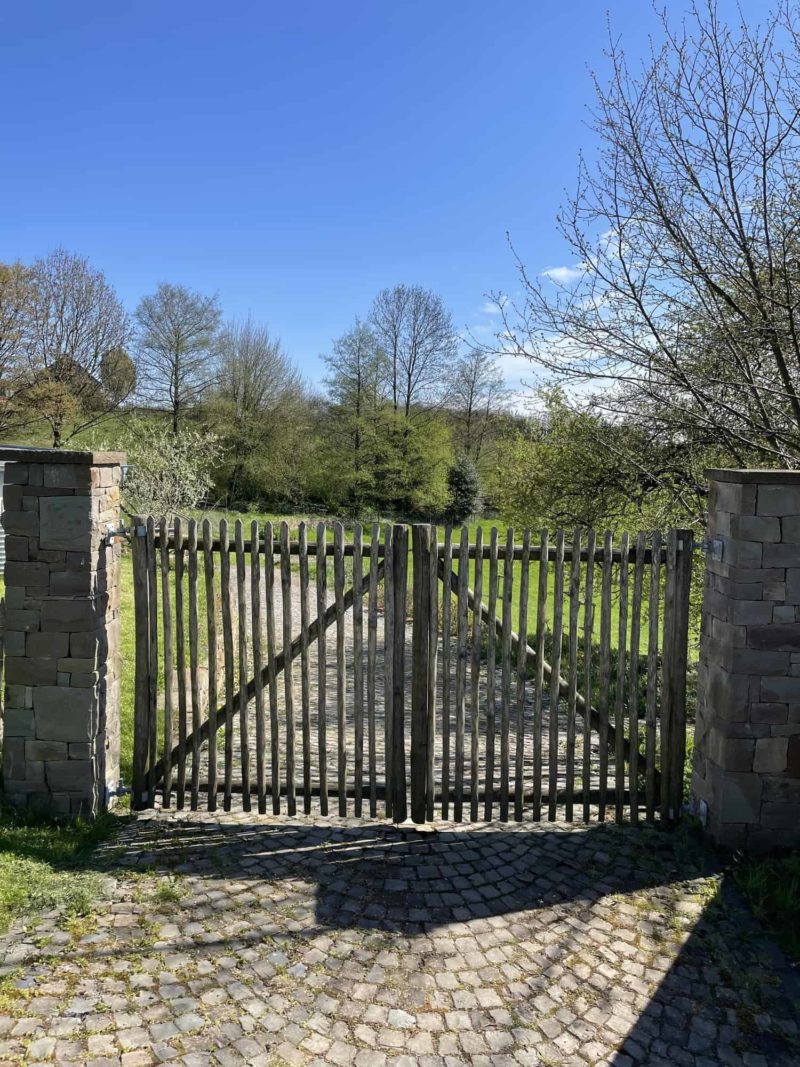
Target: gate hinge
{"type": "Point", "coordinates": [712, 547]}
{"type": "Point", "coordinates": [116, 533]}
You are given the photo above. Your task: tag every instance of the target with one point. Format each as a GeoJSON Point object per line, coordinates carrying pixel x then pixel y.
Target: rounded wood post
{"type": "Point", "coordinates": [400, 569]}
{"type": "Point", "coordinates": [421, 556]}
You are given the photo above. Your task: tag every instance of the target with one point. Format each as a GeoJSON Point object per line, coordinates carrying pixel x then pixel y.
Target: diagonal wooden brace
{"type": "Point", "coordinates": [581, 703]}
{"type": "Point", "coordinates": [266, 675]}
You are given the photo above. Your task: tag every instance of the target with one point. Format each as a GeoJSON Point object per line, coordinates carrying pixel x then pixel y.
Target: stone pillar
{"type": "Point", "coordinates": [62, 660]}
{"type": "Point", "coordinates": [746, 776]}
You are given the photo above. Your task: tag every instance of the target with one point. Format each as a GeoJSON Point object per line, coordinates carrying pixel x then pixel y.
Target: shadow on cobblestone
{"type": "Point", "coordinates": [239, 939]}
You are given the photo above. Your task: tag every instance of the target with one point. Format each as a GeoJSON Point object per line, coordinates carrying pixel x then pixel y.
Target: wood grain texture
{"type": "Point", "coordinates": [447, 668]}
{"type": "Point", "coordinates": [243, 669]}
{"type": "Point", "coordinates": [388, 668]}
{"type": "Point", "coordinates": [255, 643]}
{"type": "Point", "coordinates": [433, 654]}
{"type": "Point", "coordinates": [372, 652]}
{"type": "Point", "coordinates": [633, 676]}
{"type": "Point", "coordinates": [169, 671]}
{"type": "Point", "coordinates": [619, 703]}
{"type": "Point", "coordinates": [400, 567]}
{"type": "Point", "coordinates": [140, 798]}
{"type": "Point", "coordinates": [521, 672]}
{"type": "Point", "coordinates": [194, 662]}
{"type": "Point", "coordinates": [651, 705]}
{"type": "Point", "coordinates": [341, 676]}
{"type": "Point", "coordinates": [461, 672]}
{"type": "Point", "coordinates": [475, 680]}
{"type": "Point", "coordinates": [288, 673]}
{"type": "Point", "coordinates": [322, 667]}
{"type": "Point", "coordinates": [227, 649]}
{"type": "Point", "coordinates": [588, 680]}
{"type": "Point", "coordinates": [152, 670]}
{"type": "Point", "coordinates": [572, 672]}
{"type": "Point", "coordinates": [538, 696]}
{"type": "Point", "coordinates": [358, 670]}
{"type": "Point", "coordinates": [420, 626]}
{"type": "Point", "coordinates": [305, 665]}
{"type": "Point", "coordinates": [604, 679]}
{"type": "Point", "coordinates": [505, 660]}
{"type": "Point", "coordinates": [558, 633]}
{"type": "Point", "coordinates": [274, 724]}
{"type": "Point", "coordinates": [180, 657]}
{"type": "Point", "coordinates": [491, 676]}
{"type": "Point", "coordinates": [213, 681]}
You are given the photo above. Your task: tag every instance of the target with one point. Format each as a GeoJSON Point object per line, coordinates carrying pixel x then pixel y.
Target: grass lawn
{"type": "Point", "coordinates": [42, 865]}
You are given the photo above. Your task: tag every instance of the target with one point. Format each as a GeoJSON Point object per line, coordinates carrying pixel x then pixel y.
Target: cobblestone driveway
{"type": "Point", "coordinates": [238, 939]}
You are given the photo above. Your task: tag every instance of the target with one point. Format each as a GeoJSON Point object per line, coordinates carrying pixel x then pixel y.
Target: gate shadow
{"type": "Point", "coordinates": [724, 990]}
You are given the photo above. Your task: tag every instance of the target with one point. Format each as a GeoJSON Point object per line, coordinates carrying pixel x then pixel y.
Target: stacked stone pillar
{"type": "Point", "coordinates": [62, 629]}
{"type": "Point", "coordinates": [746, 779]}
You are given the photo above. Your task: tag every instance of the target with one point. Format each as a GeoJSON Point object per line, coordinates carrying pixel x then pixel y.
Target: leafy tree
{"type": "Point", "coordinates": [175, 340]}
{"type": "Point", "coordinates": [681, 306]}
{"type": "Point", "coordinates": [72, 325]}
{"type": "Point", "coordinates": [464, 490]}
{"type": "Point", "coordinates": [569, 467]}
{"type": "Point", "coordinates": [411, 464]}
{"type": "Point", "coordinates": [259, 410]}
{"type": "Point", "coordinates": [356, 381]}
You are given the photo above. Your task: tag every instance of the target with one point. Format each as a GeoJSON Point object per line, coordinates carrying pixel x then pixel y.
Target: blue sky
{"type": "Point", "coordinates": [297, 157]}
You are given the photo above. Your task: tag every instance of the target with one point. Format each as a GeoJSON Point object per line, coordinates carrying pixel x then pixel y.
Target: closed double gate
{"type": "Point", "coordinates": [535, 679]}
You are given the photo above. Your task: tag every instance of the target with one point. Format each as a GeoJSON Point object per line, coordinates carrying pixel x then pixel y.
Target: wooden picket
{"type": "Point", "coordinates": [434, 705]}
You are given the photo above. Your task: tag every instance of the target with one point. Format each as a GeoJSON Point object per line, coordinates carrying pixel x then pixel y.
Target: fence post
{"type": "Point", "coordinates": [400, 569]}
{"type": "Point", "coordinates": [420, 652]}
{"type": "Point", "coordinates": [680, 656]}
{"type": "Point", "coordinates": [675, 654]}
{"type": "Point", "coordinates": [139, 793]}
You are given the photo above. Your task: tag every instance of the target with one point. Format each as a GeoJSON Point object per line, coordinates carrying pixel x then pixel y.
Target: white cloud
{"type": "Point", "coordinates": [564, 275]}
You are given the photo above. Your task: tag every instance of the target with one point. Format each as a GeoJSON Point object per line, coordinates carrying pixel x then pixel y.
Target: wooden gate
{"type": "Point", "coordinates": [542, 679]}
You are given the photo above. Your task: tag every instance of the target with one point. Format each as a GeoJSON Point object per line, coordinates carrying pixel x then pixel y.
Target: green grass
{"type": "Point", "coordinates": [771, 886]}
{"type": "Point", "coordinates": [43, 865]}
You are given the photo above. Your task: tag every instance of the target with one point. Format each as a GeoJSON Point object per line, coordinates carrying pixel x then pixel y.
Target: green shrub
{"type": "Point", "coordinates": [463, 490]}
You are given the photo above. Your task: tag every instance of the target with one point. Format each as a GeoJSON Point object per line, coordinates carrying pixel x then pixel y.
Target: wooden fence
{"type": "Point", "coordinates": [542, 679]}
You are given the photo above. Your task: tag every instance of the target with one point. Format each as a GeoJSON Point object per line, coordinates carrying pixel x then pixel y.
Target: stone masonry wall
{"type": "Point", "coordinates": [62, 665]}
{"type": "Point", "coordinates": [747, 741]}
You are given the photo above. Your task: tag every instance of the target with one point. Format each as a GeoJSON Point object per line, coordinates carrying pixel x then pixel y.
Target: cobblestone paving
{"type": "Point", "coordinates": [240, 939]}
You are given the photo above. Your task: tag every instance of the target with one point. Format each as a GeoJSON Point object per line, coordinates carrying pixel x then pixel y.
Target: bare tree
{"type": "Point", "coordinates": [75, 329]}
{"type": "Point", "coordinates": [176, 336]}
{"type": "Point", "coordinates": [681, 301]}
{"type": "Point", "coordinates": [254, 373]}
{"type": "Point", "coordinates": [479, 394]}
{"type": "Point", "coordinates": [416, 332]}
